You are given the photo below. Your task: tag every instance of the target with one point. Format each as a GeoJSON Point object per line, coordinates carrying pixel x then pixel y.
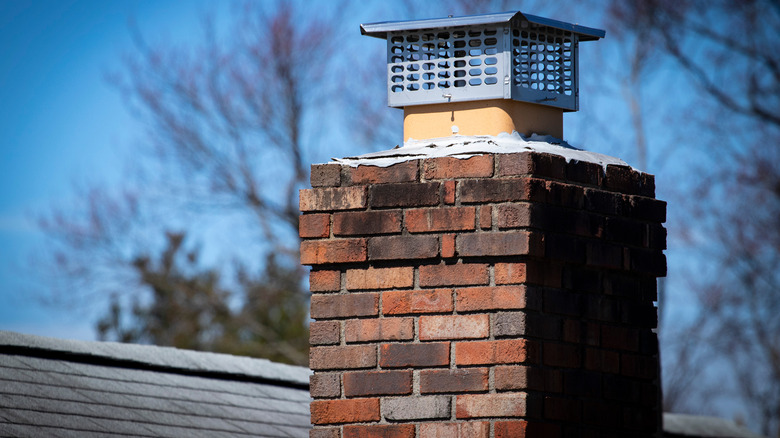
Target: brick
{"type": "Point", "coordinates": [619, 338]}
{"type": "Point", "coordinates": [397, 173]}
{"type": "Point", "coordinates": [325, 175]}
{"type": "Point", "coordinates": [580, 383]}
{"type": "Point", "coordinates": [563, 302]}
{"type": "Point", "coordinates": [347, 305]}
{"type": "Point", "coordinates": [493, 190]}
{"type": "Point", "coordinates": [498, 244]}
{"type": "Point", "coordinates": [429, 354]}
{"type": "Point", "coordinates": [418, 301]}
{"type": "Point", "coordinates": [403, 247]}
{"type": "Point", "coordinates": [510, 273]}
{"type": "Point", "coordinates": [324, 332]}
{"type": "Point", "coordinates": [509, 324]}
{"type": "Point", "coordinates": [363, 383]}
{"type": "Point", "coordinates": [584, 172]}
{"type": "Point", "coordinates": [620, 179]}
{"type": "Point", "coordinates": [382, 329]}
{"type": "Point", "coordinates": [514, 377]}
{"type": "Point", "coordinates": [648, 262]}
{"type": "Point", "coordinates": [490, 405]}
{"type": "Point", "coordinates": [517, 215]}
{"type": "Point", "coordinates": [325, 385]}
{"type": "Point", "coordinates": [324, 281]}
{"type": "Point", "coordinates": [604, 255]}
{"type": "Point", "coordinates": [325, 432]}
{"type": "Point", "coordinates": [454, 327]}
{"type": "Point", "coordinates": [544, 273]}
{"type": "Point", "coordinates": [565, 195]}
{"type": "Point", "coordinates": [380, 278]}
{"type": "Point", "coordinates": [485, 217]}
{"type": "Point", "coordinates": [425, 220]}
{"type": "Point", "coordinates": [562, 409]}
{"type": "Point", "coordinates": [451, 167]}
{"type": "Point", "coordinates": [380, 431]}
{"type": "Point", "coordinates": [565, 248]}
{"type": "Point", "coordinates": [328, 199]}
{"type": "Point", "coordinates": [448, 245]}
{"type": "Point", "coordinates": [455, 381]}
{"type": "Point", "coordinates": [523, 429]}
{"type": "Point", "coordinates": [416, 408]}
{"type": "Point", "coordinates": [562, 355]}
{"type": "Point", "coordinates": [470, 429]}
{"type": "Point", "coordinates": [454, 275]}
{"type": "Point", "coordinates": [366, 222]}
{"type": "Point", "coordinates": [625, 231]}
{"type": "Point", "coordinates": [314, 225]}
{"type": "Point", "coordinates": [404, 195]}
{"type": "Point", "coordinates": [319, 252]}
{"type": "Point", "coordinates": [604, 202]}
{"type": "Point", "coordinates": [344, 411]}
{"type": "Point", "coordinates": [448, 195]}
{"type": "Point", "coordinates": [494, 298]}
{"type": "Point", "coordinates": [342, 357]}
{"type": "Point", "coordinates": [646, 185]}
{"type": "Point", "coordinates": [493, 352]}
{"type": "Point", "coordinates": [536, 163]}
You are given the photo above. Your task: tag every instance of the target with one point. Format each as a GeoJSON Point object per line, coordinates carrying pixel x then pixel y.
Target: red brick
{"type": "Point", "coordinates": [347, 305]}
{"type": "Point", "coordinates": [318, 252]}
{"type": "Point", "coordinates": [648, 209]}
{"type": "Point", "coordinates": [518, 215]}
{"type": "Point", "coordinates": [584, 172]}
{"type": "Point", "coordinates": [454, 327]}
{"type": "Point", "coordinates": [397, 173]}
{"type": "Point", "coordinates": [536, 163]}
{"type": "Point", "coordinates": [403, 247]}
{"type": "Point", "coordinates": [364, 383]}
{"type": "Point", "coordinates": [493, 190]}
{"type": "Point", "coordinates": [469, 429]}
{"type": "Point", "coordinates": [380, 431]}
{"type": "Point", "coordinates": [518, 377]}
{"type": "Point", "coordinates": [544, 273]}
{"type": "Point", "coordinates": [448, 245]}
{"type": "Point", "coordinates": [451, 167]}
{"type": "Point", "coordinates": [454, 275]}
{"type": "Point", "coordinates": [417, 301]}
{"type": "Point", "coordinates": [490, 405]}
{"type": "Point", "coordinates": [492, 298]}
{"type": "Point", "coordinates": [485, 217]}
{"type": "Point", "coordinates": [619, 338]}
{"type": "Point", "coordinates": [338, 198]}
{"type": "Point", "coordinates": [449, 192]}
{"type": "Point", "coordinates": [499, 244]}
{"type": "Point", "coordinates": [381, 329]}
{"type": "Point", "coordinates": [621, 179]}
{"type": "Point", "coordinates": [425, 220]}
{"type": "Point", "coordinates": [510, 273]}
{"type": "Point", "coordinates": [344, 411]}
{"type": "Point", "coordinates": [404, 195]}
{"type": "Point", "coordinates": [380, 278]}
{"type": "Point", "coordinates": [562, 355]}
{"type": "Point", "coordinates": [324, 332]}
{"type": "Point", "coordinates": [325, 175]}
{"type": "Point", "coordinates": [342, 357]}
{"type": "Point", "coordinates": [324, 281]}
{"type": "Point", "coordinates": [527, 429]}
{"type": "Point", "coordinates": [562, 409]}
{"type": "Point", "coordinates": [314, 225]}
{"type": "Point", "coordinates": [429, 354]}
{"type": "Point", "coordinates": [459, 380]}
{"type": "Point", "coordinates": [366, 222]}
{"type": "Point", "coordinates": [493, 352]}
{"type": "Point", "coordinates": [604, 255]}
{"type": "Point", "coordinates": [325, 385]}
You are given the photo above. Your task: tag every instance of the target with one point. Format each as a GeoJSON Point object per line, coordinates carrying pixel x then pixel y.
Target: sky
{"type": "Point", "coordinates": [61, 124]}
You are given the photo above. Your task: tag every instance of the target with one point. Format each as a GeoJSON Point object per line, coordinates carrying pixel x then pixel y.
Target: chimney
{"type": "Point", "coordinates": [483, 286]}
{"type": "Point", "coordinates": [482, 74]}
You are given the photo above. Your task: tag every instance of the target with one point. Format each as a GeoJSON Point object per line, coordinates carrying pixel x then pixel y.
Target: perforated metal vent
{"type": "Point", "coordinates": [509, 55]}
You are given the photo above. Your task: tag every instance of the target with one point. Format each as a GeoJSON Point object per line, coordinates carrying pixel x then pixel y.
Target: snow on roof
{"type": "Point", "coordinates": [465, 146]}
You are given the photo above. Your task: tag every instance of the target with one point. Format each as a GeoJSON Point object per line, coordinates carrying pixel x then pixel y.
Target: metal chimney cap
{"type": "Point", "coordinates": [380, 29]}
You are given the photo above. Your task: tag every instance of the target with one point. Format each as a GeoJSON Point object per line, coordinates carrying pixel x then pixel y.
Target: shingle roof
{"type": "Point", "coordinates": [59, 388]}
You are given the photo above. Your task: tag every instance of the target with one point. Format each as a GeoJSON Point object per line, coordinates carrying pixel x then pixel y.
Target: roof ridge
{"type": "Point", "coordinates": [151, 357]}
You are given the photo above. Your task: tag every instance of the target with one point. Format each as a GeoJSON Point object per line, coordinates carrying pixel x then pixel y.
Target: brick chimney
{"type": "Point", "coordinates": [496, 295]}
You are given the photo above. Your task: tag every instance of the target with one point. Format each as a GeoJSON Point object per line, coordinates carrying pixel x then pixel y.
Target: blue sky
{"type": "Point", "coordinates": [61, 123]}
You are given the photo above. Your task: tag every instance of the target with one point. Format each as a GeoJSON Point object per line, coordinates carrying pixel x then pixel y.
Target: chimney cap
{"type": "Point", "coordinates": [381, 29]}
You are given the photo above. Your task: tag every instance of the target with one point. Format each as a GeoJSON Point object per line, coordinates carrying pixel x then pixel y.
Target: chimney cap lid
{"type": "Point", "coordinates": [380, 29]}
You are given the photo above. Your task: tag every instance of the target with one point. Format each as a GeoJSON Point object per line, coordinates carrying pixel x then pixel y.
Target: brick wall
{"type": "Point", "coordinates": [502, 295]}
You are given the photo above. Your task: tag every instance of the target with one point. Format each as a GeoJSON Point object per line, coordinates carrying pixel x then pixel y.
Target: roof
{"type": "Point", "coordinates": [684, 425]}
{"type": "Point", "coordinates": [380, 30]}
{"type": "Point", "coordinates": [60, 388]}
